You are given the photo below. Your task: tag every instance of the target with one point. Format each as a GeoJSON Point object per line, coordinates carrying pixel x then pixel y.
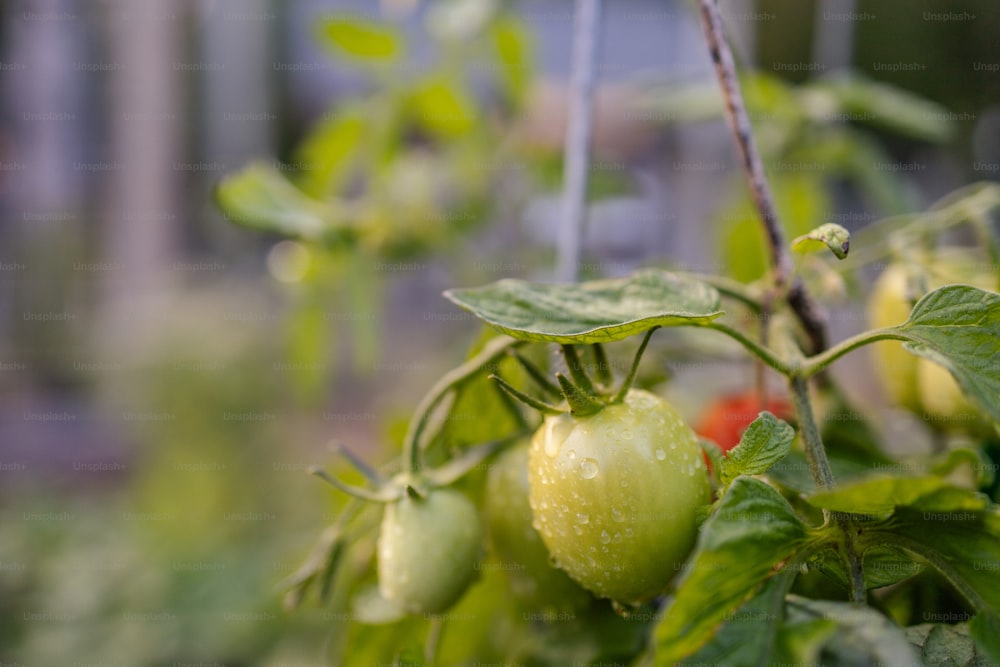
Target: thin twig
{"type": "Point", "coordinates": [579, 123]}
{"type": "Point", "coordinates": [806, 310]}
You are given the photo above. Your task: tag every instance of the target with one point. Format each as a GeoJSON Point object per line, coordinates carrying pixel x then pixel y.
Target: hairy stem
{"type": "Point", "coordinates": [819, 466]}
{"type": "Point", "coordinates": [817, 363]}
{"type": "Point", "coordinates": [492, 351]}
{"type": "Point", "coordinates": [806, 309]}
{"type": "Point", "coordinates": [760, 351]}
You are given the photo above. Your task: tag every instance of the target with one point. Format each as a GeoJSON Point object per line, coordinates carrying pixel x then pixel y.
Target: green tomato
{"type": "Point", "coordinates": [615, 495]}
{"type": "Point", "coordinates": [897, 368]}
{"type": "Point", "coordinates": [917, 384]}
{"type": "Point", "coordinates": [517, 545]}
{"type": "Point", "coordinates": [427, 550]}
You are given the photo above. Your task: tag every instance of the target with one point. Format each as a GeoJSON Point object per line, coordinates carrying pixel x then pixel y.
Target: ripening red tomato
{"type": "Point", "coordinates": [725, 419]}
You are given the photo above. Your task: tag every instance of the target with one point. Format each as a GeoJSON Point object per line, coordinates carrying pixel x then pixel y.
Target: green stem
{"type": "Point", "coordinates": [819, 466]}
{"type": "Point", "coordinates": [492, 351]}
{"type": "Point", "coordinates": [818, 362]}
{"type": "Point", "coordinates": [634, 370]}
{"type": "Point", "coordinates": [729, 288]}
{"type": "Point", "coordinates": [762, 353]}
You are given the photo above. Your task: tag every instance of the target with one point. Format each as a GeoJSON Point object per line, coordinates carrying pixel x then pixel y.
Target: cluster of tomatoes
{"type": "Point", "coordinates": [599, 505]}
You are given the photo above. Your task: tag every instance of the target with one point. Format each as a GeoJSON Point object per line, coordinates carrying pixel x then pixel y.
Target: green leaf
{"type": "Point", "coordinates": [765, 442]}
{"type": "Point", "coordinates": [985, 630]}
{"type": "Point", "coordinates": [879, 495]}
{"type": "Point", "coordinates": [863, 636]}
{"type": "Point", "coordinates": [973, 461]}
{"type": "Point", "coordinates": [260, 197]}
{"type": "Point", "coordinates": [829, 236]}
{"type": "Point", "coordinates": [592, 312]}
{"type": "Point", "coordinates": [743, 544]}
{"type": "Point", "coordinates": [329, 150]}
{"type": "Point", "coordinates": [958, 326]}
{"type": "Point", "coordinates": [890, 107]}
{"type": "Point", "coordinates": [442, 108]}
{"type": "Point", "coordinates": [750, 633]}
{"type": "Point", "coordinates": [964, 545]}
{"type": "Point", "coordinates": [512, 43]}
{"type": "Point", "coordinates": [883, 565]}
{"type": "Point", "coordinates": [363, 40]}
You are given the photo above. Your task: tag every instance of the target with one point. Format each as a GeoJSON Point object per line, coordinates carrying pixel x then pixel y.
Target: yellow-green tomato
{"type": "Point", "coordinates": [920, 385]}
{"type": "Point", "coordinates": [897, 368]}
{"type": "Point", "coordinates": [615, 495]}
{"type": "Point", "coordinates": [427, 550]}
{"type": "Point", "coordinates": [517, 545]}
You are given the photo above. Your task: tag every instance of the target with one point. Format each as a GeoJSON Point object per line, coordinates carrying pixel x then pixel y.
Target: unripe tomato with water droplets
{"type": "Point", "coordinates": [615, 495]}
{"type": "Point", "coordinates": [427, 550]}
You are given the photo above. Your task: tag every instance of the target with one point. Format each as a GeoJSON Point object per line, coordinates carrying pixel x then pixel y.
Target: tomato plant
{"type": "Point", "coordinates": [822, 543]}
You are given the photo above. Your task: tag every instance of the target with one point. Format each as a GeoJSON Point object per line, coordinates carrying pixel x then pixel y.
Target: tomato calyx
{"type": "Point", "coordinates": [579, 392]}
{"type": "Point", "coordinates": [412, 484]}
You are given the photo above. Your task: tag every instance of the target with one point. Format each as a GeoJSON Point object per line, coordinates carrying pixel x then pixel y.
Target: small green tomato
{"type": "Point", "coordinates": [427, 550]}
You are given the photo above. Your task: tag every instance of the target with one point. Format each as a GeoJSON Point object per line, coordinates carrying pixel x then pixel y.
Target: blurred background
{"type": "Point", "coordinates": [166, 376]}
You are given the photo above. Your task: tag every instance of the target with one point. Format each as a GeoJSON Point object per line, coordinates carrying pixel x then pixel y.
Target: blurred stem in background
{"type": "Point", "coordinates": [586, 33]}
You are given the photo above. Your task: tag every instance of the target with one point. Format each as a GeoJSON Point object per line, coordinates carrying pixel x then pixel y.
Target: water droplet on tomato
{"type": "Point", "coordinates": [660, 454]}
{"type": "Point", "coordinates": [605, 538]}
{"type": "Point", "coordinates": [589, 468]}
{"type": "Point", "coordinates": [582, 518]}
{"type": "Point", "coordinates": [617, 514]}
